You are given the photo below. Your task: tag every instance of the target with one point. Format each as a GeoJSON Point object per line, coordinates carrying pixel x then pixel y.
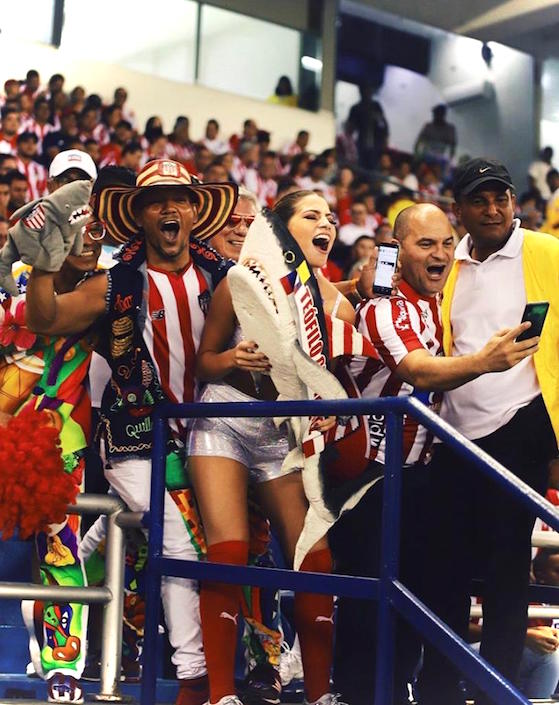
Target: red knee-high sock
{"type": "Point", "coordinates": [314, 621]}
{"type": "Point", "coordinates": [219, 609]}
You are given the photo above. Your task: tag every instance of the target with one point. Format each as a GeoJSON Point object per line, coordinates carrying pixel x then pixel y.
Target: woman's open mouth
{"type": "Point", "coordinates": [321, 242]}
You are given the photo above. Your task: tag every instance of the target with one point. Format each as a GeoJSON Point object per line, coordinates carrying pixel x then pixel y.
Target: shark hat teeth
{"type": "Point", "coordinates": [215, 202]}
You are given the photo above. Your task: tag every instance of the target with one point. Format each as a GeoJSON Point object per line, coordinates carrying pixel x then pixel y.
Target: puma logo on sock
{"type": "Point", "coordinates": [233, 618]}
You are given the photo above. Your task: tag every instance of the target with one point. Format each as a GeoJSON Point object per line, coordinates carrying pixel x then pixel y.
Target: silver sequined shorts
{"type": "Point", "coordinates": [255, 442]}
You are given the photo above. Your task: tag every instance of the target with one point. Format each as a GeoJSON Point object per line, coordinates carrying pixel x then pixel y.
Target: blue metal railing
{"type": "Point", "coordinates": [393, 597]}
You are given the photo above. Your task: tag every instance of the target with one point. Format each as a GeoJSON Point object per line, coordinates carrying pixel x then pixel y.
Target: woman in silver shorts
{"type": "Point", "coordinates": [225, 453]}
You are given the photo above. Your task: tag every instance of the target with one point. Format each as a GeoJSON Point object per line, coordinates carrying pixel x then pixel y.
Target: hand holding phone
{"type": "Point", "coordinates": [535, 313]}
{"type": "Point", "coordinates": [387, 263]}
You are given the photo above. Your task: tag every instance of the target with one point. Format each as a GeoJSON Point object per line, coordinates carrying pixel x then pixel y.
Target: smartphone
{"type": "Point", "coordinates": [386, 266]}
{"type": "Point", "coordinates": [535, 313]}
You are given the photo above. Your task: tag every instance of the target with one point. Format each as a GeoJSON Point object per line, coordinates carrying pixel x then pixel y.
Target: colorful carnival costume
{"type": "Point", "coordinates": [50, 374]}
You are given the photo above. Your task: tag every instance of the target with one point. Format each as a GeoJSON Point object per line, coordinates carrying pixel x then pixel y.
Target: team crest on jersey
{"type": "Point", "coordinates": [204, 302]}
{"type": "Point", "coordinates": [158, 315]}
{"type": "Point", "coordinates": [402, 321]}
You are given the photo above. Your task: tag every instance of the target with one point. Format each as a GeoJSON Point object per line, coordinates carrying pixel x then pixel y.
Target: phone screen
{"type": "Point", "coordinates": [386, 266]}
{"type": "Point", "coordinates": [535, 313]}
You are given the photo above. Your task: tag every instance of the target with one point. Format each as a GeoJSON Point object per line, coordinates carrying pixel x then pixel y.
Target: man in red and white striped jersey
{"type": "Point", "coordinates": [151, 307]}
{"type": "Point", "coordinates": [35, 173]}
{"type": "Point", "coordinates": [407, 333]}
{"type": "Point", "coordinates": [10, 127]}
{"type": "Point", "coordinates": [263, 182]}
{"type": "Point", "coordinates": [39, 123]}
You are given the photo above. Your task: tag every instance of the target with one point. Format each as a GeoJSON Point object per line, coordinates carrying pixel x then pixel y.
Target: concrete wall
{"type": "Point", "coordinates": [291, 13]}
{"type": "Point", "coordinates": [501, 126]}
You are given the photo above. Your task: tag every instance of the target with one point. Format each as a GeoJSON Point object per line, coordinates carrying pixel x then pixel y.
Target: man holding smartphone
{"type": "Point", "coordinates": [477, 529]}
{"type": "Point", "coordinates": [407, 332]}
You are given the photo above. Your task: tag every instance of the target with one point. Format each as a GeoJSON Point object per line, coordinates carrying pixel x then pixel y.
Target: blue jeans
{"type": "Point", "coordinates": [538, 675]}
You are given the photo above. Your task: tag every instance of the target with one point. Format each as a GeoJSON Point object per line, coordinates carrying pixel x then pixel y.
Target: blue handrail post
{"type": "Point", "coordinates": [155, 549]}
{"type": "Point", "coordinates": [386, 634]}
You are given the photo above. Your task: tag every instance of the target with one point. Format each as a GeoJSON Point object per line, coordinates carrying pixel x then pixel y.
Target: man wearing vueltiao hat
{"type": "Point", "coordinates": [149, 310]}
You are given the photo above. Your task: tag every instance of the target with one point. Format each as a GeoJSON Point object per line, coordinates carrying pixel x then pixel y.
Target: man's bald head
{"type": "Point", "coordinates": [417, 218]}
{"type": "Point", "coordinates": [426, 247]}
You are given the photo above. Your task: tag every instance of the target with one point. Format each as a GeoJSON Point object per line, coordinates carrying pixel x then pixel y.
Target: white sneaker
{"type": "Point", "coordinates": [327, 699]}
{"type": "Point", "coordinates": [64, 689]}
{"type": "Point", "coordinates": [291, 665]}
{"type": "Point", "coordinates": [227, 700]}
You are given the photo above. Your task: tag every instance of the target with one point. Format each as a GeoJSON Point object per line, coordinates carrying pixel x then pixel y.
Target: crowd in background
{"type": "Point", "coordinates": [362, 179]}
{"type": "Point", "coordinates": [361, 176]}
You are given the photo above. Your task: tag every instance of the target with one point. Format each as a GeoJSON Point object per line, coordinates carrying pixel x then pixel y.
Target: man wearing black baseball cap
{"type": "Point", "coordinates": [475, 172]}
{"type": "Point", "coordinates": [514, 416]}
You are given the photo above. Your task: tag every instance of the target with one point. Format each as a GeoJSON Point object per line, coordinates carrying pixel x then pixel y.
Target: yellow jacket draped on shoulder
{"type": "Point", "coordinates": [540, 261]}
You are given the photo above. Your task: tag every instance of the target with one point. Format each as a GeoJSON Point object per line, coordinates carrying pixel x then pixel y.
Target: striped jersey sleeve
{"type": "Point", "coordinates": [393, 327]}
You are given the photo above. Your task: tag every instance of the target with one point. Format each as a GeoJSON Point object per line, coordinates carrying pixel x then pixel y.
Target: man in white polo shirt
{"type": "Point", "coordinates": [478, 530]}
{"type": "Point", "coordinates": [407, 332]}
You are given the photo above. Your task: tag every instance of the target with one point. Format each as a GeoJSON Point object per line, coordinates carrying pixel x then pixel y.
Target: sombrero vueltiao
{"type": "Point", "coordinates": [215, 202]}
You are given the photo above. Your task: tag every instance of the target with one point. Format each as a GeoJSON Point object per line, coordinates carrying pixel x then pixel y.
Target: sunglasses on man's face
{"type": "Point", "coordinates": [95, 230]}
{"type": "Point", "coordinates": [235, 220]}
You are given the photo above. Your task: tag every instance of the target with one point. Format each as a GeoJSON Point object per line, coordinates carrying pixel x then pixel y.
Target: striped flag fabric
{"type": "Point", "coordinates": [344, 339]}
{"type": "Point", "coordinates": [36, 218]}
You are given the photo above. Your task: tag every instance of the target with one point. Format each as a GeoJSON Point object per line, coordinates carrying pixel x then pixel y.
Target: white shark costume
{"type": "Point", "coordinates": [278, 304]}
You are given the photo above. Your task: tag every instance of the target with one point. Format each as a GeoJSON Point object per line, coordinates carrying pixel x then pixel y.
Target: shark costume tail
{"type": "Point", "coordinates": [278, 304]}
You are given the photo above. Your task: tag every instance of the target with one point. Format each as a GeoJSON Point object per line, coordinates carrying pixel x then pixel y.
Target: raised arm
{"type": "Point", "coordinates": [501, 353]}
{"type": "Point", "coordinates": [64, 314]}
{"type": "Point", "coordinates": [215, 361]}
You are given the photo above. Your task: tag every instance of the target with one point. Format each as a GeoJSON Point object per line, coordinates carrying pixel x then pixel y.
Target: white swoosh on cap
{"type": "Point", "coordinates": [485, 169]}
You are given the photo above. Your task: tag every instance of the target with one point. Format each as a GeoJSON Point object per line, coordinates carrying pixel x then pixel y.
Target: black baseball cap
{"type": "Point", "coordinates": [471, 174]}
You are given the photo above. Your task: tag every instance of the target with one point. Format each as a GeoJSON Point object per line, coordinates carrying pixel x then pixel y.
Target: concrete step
{"type": "Point", "coordinates": [16, 687]}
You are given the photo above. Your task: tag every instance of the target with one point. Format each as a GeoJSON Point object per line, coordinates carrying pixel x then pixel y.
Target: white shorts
{"type": "Point", "coordinates": [254, 442]}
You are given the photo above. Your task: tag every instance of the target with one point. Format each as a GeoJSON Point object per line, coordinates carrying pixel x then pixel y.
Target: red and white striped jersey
{"type": "Point", "coordinates": [31, 125]}
{"type": "Point", "coordinates": [130, 115]}
{"type": "Point", "coordinates": [396, 326]}
{"type": "Point", "coordinates": [110, 155]}
{"type": "Point", "coordinates": [292, 149]}
{"type": "Point", "coordinates": [182, 153]}
{"type": "Point", "coordinates": [100, 134]}
{"type": "Point", "coordinates": [36, 176]}
{"type": "Point", "coordinates": [178, 302]}
{"type": "Point", "coordinates": [265, 190]}
{"type": "Point", "coordinates": [243, 174]}
{"type": "Point", "coordinates": [8, 145]}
